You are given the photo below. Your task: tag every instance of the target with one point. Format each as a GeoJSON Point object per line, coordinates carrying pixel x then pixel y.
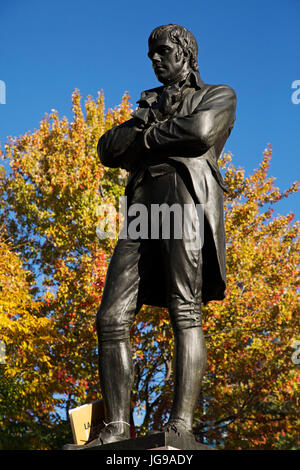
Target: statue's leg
{"type": "Point", "coordinates": [116, 381]}
{"type": "Point", "coordinates": [183, 267]}
{"type": "Point", "coordinates": [121, 301]}
{"type": "Point", "coordinates": [119, 306]}
{"type": "Point", "coordinates": [190, 366]}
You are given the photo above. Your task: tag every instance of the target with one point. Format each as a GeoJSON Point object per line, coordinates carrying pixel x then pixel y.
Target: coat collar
{"type": "Point", "coordinates": [193, 80]}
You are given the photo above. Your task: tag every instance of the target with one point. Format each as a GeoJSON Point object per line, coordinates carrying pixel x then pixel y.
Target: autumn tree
{"type": "Point", "coordinates": [26, 367]}
{"type": "Point", "coordinates": [53, 198]}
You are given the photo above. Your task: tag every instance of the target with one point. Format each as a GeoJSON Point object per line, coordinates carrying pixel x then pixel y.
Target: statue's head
{"type": "Point", "coordinates": [173, 51]}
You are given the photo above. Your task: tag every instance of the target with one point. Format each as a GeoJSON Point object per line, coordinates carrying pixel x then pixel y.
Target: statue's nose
{"type": "Point", "coordinates": [156, 57]}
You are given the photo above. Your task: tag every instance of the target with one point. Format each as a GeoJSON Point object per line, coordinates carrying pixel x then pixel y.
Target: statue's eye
{"type": "Point", "coordinates": [161, 50]}
{"type": "Point", "coordinates": [164, 50]}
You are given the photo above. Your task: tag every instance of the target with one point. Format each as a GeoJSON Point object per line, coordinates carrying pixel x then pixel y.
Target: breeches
{"type": "Point", "coordinates": [168, 251]}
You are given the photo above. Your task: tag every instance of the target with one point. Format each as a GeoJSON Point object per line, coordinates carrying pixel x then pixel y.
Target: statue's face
{"type": "Point", "coordinates": [168, 60]}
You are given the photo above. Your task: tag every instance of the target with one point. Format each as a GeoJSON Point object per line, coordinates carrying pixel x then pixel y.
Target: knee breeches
{"type": "Point", "coordinates": [137, 261]}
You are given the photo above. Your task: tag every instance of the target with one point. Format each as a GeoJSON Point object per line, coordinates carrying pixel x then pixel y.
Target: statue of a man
{"type": "Point", "coordinates": [171, 147]}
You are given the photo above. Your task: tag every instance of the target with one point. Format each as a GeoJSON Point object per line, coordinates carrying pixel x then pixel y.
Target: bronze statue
{"type": "Point", "coordinates": [171, 147]}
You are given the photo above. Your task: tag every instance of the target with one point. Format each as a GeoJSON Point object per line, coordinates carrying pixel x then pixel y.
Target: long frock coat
{"type": "Point", "coordinates": [189, 136]}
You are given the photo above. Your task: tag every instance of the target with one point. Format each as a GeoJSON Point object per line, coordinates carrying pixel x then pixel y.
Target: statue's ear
{"type": "Point", "coordinates": [181, 53]}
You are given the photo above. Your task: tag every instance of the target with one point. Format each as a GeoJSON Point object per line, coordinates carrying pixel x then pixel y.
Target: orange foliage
{"type": "Point", "coordinates": [52, 272]}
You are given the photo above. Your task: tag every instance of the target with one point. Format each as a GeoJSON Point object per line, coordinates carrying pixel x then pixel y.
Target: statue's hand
{"type": "Point", "coordinates": [133, 155]}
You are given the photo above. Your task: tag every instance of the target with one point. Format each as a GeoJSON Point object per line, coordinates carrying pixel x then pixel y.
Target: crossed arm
{"type": "Point", "coordinates": [189, 135]}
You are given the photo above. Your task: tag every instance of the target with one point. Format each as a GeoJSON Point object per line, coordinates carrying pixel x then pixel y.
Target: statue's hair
{"type": "Point", "coordinates": [181, 36]}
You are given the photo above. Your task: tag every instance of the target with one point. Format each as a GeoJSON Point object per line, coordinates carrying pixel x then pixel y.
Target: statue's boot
{"type": "Point", "coordinates": [111, 433]}
{"type": "Point", "coordinates": [116, 380]}
{"type": "Point", "coordinates": [190, 366]}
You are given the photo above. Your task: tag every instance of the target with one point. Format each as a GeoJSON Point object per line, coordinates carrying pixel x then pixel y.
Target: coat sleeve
{"type": "Point", "coordinates": [194, 134]}
{"type": "Point", "coordinates": [115, 147]}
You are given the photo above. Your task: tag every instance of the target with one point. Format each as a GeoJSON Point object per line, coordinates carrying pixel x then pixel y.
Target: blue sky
{"type": "Point", "coordinates": [47, 49]}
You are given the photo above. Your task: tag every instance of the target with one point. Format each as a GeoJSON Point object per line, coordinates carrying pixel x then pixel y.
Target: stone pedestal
{"type": "Point", "coordinates": [157, 441]}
